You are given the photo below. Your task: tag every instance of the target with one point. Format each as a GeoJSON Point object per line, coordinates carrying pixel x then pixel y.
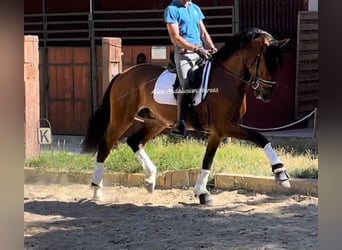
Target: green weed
{"type": "Point", "coordinates": [234, 157]}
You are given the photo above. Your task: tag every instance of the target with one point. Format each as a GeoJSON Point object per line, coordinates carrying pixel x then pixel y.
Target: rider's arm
{"type": "Point", "coordinates": [205, 37]}
{"type": "Point", "coordinates": [177, 39]}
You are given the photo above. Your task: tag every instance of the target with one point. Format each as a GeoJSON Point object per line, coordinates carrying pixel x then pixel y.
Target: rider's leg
{"type": "Point", "coordinates": [184, 62]}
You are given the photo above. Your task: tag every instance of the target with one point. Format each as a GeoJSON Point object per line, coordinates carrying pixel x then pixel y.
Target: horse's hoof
{"type": "Point", "coordinates": [97, 192]}
{"type": "Point", "coordinates": [285, 184]}
{"type": "Point", "coordinates": [205, 199]}
{"type": "Point", "coordinates": [282, 178]}
{"type": "Point", "coordinates": [149, 187]}
{"type": "Point", "coordinates": [150, 182]}
{"type": "Point", "coordinates": [97, 196]}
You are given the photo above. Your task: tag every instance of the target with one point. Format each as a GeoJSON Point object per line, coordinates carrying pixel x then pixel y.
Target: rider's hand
{"type": "Point", "coordinates": [213, 51]}
{"type": "Point", "coordinates": [203, 52]}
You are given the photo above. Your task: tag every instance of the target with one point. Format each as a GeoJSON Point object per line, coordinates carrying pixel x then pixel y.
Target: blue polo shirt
{"type": "Point", "coordinates": [188, 20]}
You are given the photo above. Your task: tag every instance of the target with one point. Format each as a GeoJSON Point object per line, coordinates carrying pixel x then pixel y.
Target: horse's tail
{"type": "Point", "coordinates": [98, 123]}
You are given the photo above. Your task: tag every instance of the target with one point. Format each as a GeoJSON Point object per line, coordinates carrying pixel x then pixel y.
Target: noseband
{"type": "Point", "coordinates": [255, 81]}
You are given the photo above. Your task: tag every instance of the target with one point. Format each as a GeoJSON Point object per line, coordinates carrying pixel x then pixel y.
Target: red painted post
{"type": "Point", "coordinates": [31, 79]}
{"type": "Point", "coordinates": [111, 60]}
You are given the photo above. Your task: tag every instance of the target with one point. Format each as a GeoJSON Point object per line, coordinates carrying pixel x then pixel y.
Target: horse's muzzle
{"type": "Point", "coordinates": [263, 94]}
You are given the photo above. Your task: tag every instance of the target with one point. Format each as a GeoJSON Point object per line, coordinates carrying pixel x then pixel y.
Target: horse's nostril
{"type": "Point", "coordinates": [266, 98]}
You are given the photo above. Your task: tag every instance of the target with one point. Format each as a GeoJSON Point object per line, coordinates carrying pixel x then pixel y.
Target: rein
{"type": "Point", "coordinates": [254, 81]}
{"type": "Point", "coordinates": [234, 75]}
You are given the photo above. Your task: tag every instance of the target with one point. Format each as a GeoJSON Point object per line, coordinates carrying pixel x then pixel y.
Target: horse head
{"type": "Point", "coordinates": [265, 59]}
{"type": "Point", "coordinates": [253, 56]}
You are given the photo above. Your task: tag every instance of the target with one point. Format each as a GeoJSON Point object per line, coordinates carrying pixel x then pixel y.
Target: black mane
{"type": "Point", "coordinates": [273, 54]}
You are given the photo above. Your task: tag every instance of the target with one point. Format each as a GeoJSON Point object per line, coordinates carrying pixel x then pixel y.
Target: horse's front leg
{"type": "Point", "coordinates": [280, 174]}
{"type": "Point", "coordinates": [200, 188]}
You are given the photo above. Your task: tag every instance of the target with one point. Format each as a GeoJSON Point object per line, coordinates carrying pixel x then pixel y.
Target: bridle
{"type": "Point", "coordinates": [256, 81]}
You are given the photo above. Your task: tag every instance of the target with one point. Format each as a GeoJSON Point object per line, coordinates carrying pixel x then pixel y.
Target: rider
{"type": "Point", "coordinates": [184, 22]}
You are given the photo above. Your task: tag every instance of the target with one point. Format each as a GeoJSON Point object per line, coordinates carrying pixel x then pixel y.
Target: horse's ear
{"type": "Point", "coordinates": [266, 41]}
{"type": "Point", "coordinates": [258, 41]}
{"type": "Point", "coordinates": [283, 42]}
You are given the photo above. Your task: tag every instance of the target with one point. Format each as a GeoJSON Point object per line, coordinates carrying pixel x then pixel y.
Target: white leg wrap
{"type": "Point", "coordinates": [201, 184]}
{"type": "Point", "coordinates": [97, 193]}
{"type": "Point", "coordinates": [149, 168]}
{"type": "Point", "coordinates": [280, 174]}
{"type": "Point", "coordinates": [272, 155]}
{"type": "Point", "coordinates": [98, 173]}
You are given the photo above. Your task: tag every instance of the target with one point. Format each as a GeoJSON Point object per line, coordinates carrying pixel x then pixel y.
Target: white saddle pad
{"type": "Point", "coordinates": [163, 90]}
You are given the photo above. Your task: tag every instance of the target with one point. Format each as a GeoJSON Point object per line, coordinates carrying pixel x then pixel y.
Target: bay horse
{"type": "Point", "coordinates": [249, 59]}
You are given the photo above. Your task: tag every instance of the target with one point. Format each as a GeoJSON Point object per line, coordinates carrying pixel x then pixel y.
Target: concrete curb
{"type": "Point", "coordinates": [176, 179]}
{"type": "Point", "coordinates": [265, 184]}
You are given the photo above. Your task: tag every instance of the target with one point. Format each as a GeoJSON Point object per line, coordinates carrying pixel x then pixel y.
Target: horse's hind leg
{"type": "Point", "coordinates": [149, 128]}
{"type": "Point", "coordinates": [113, 134]}
{"type": "Point", "coordinates": [200, 188]}
{"type": "Point", "coordinates": [278, 168]}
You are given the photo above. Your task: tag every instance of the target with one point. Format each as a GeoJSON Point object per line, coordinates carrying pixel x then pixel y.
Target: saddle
{"type": "Point", "coordinates": [195, 76]}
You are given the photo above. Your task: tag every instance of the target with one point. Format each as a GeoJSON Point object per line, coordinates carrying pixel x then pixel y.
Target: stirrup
{"type": "Point", "coordinates": [178, 133]}
{"type": "Point", "coordinates": [179, 130]}
{"type": "Point", "coordinates": [175, 131]}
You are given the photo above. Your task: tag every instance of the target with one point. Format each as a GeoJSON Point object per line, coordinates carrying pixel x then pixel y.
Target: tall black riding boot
{"type": "Point", "coordinates": [179, 129]}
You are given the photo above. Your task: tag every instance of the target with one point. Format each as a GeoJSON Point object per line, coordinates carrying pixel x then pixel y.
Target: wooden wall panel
{"type": "Point", "coordinates": [278, 17]}
{"type": "Point", "coordinates": [69, 89]}
{"type": "Point", "coordinates": [307, 63]}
